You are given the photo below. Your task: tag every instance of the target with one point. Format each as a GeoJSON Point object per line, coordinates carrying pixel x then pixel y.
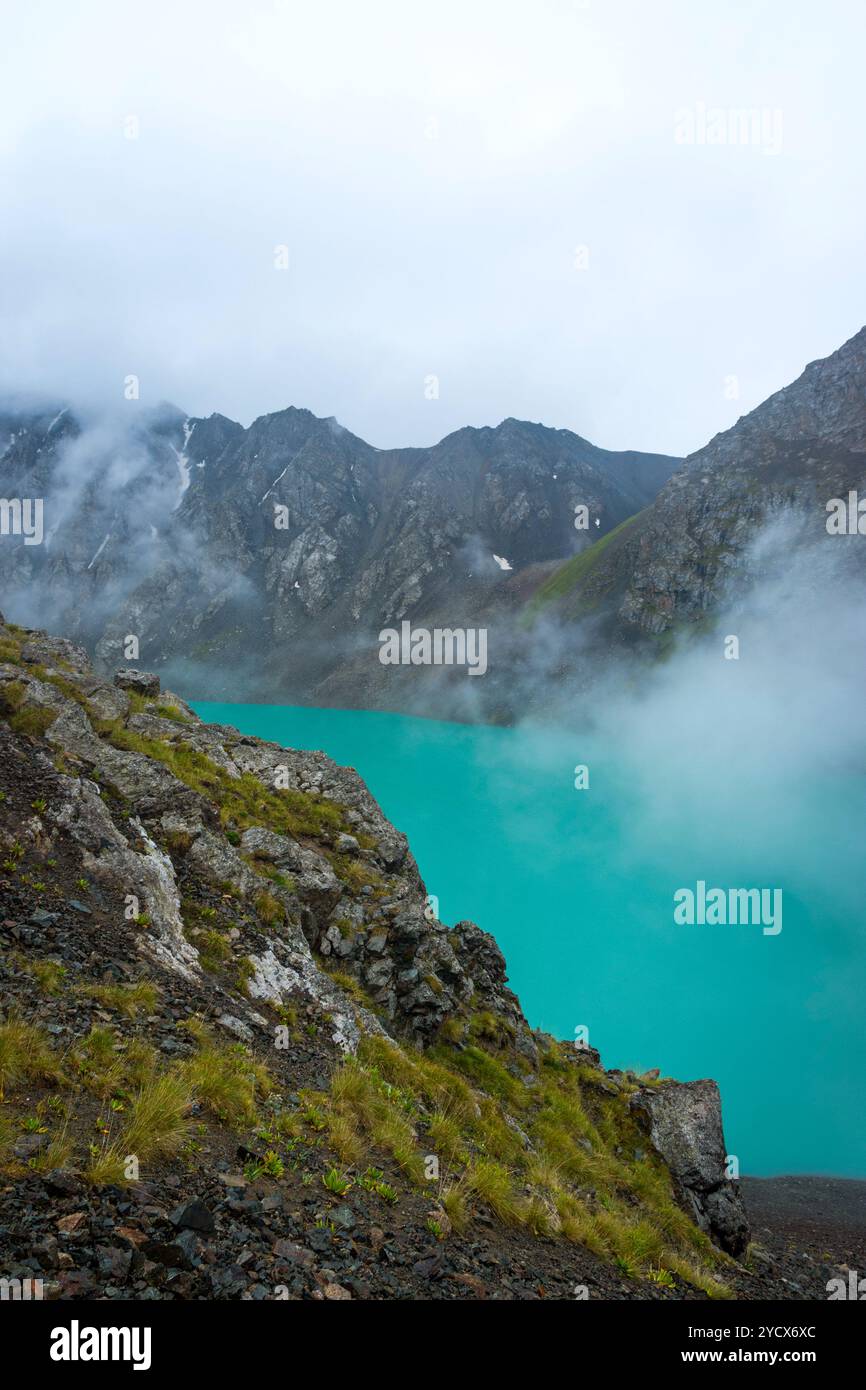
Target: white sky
{"type": "Point", "coordinates": [432, 168]}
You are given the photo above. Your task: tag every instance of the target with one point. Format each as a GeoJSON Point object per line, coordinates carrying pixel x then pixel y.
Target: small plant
{"type": "Point", "coordinates": [336, 1182]}
{"type": "Point", "coordinates": [32, 1124]}
{"type": "Point", "coordinates": [56, 1155]}
{"type": "Point", "coordinates": [273, 1165]}
{"type": "Point", "coordinates": [314, 1116]}
{"type": "Point", "coordinates": [385, 1191]}
{"type": "Point", "coordinates": [432, 1225]}
{"type": "Point", "coordinates": [40, 804]}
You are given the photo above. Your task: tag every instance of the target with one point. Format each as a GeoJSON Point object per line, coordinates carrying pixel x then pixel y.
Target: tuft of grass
{"type": "Point", "coordinates": [10, 651]}
{"type": "Point", "coordinates": [158, 1121]}
{"type": "Point", "coordinates": [355, 873]}
{"type": "Point", "coordinates": [351, 986]}
{"type": "Point", "coordinates": [454, 1200]}
{"type": "Point", "coordinates": [32, 721]}
{"type": "Point", "coordinates": [446, 1138]}
{"type": "Point", "coordinates": [453, 1030]}
{"type": "Point", "coordinates": [227, 1079]}
{"type": "Point", "coordinates": [268, 909]}
{"type": "Point", "coordinates": [128, 1000]}
{"type": "Point", "coordinates": [105, 1067]}
{"type": "Point", "coordinates": [48, 974]}
{"type": "Point", "coordinates": [213, 950]}
{"type": "Point", "coordinates": [492, 1184]}
{"type": "Point", "coordinates": [157, 1126]}
{"type": "Point", "coordinates": [165, 711]}
{"type": "Point", "coordinates": [488, 1074]}
{"type": "Point", "coordinates": [370, 1106]}
{"type": "Point", "coordinates": [344, 1138]}
{"type": "Point", "coordinates": [692, 1273]}
{"type": "Point", "coordinates": [178, 841]}
{"type": "Point", "coordinates": [25, 1055]}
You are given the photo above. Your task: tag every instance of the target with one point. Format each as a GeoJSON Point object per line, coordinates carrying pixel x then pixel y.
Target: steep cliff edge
{"type": "Point", "coordinates": [237, 1056]}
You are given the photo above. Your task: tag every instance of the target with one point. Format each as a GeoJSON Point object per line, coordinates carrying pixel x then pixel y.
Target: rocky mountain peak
{"type": "Point", "coordinates": [826, 403]}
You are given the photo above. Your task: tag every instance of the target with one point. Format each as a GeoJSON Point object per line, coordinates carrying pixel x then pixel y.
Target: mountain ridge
{"type": "Point", "coordinates": [262, 562]}
{"type": "Point", "coordinates": [170, 533]}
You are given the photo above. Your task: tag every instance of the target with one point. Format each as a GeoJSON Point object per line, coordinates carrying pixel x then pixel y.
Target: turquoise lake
{"type": "Point", "coordinates": [577, 887]}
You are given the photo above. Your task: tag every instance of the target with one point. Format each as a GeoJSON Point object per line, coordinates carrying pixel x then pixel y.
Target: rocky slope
{"type": "Point", "coordinates": [239, 1060]}
{"type": "Point", "coordinates": [669, 568]}
{"type": "Point", "coordinates": [264, 562]}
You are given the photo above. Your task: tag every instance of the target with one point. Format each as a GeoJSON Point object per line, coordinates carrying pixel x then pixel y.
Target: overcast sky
{"type": "Point", "coordinates": [433, 170]}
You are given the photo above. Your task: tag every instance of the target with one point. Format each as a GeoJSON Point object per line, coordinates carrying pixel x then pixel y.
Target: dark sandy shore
{"type": "Point", "coordinates": [811, 1228]}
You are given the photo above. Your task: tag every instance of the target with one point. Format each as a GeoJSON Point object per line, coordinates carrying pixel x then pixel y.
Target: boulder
{"type": "Point", "coordinates": [684, 1123]}
{"type": "Point", "coordinates": [141, 682]}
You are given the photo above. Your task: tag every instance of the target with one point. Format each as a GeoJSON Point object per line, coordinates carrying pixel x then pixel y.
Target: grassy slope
{"type": "Point", "coordinates": [572, 574]}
